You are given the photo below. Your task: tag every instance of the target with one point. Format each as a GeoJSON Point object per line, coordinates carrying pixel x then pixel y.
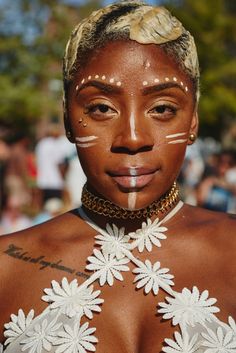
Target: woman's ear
{"type": "Point", "coordinates": [67, 125]}
{"type": "Point", "coordinates": [193, 131]}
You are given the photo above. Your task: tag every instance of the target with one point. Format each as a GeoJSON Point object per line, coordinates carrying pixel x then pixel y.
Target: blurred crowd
{"type": "Point", "coordinates": [38, 182]}
{"type": "Point", "coordinates": [44, 180]}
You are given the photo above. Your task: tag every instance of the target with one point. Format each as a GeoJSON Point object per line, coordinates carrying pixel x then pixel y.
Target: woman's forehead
{"type": "Point", "coordinates": [123, 59]}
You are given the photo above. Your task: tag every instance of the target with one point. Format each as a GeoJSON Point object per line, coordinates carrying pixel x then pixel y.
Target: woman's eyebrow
{"type": "Point", "coordinates": [105, 87]}
{"type": "Point", "coordinates": [161, 87]}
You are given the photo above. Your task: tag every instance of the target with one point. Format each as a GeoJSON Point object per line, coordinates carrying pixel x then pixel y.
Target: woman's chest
{"type": "Point", "coordinates": [119, 318]}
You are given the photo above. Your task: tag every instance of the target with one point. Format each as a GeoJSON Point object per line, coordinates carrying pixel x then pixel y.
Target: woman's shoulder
{"type": "Point", "coordinates": [216, 230]}
{"type": "Point", "coordinates": [201, 217]}
{"type": "Point", "coordinates": [68, 227]}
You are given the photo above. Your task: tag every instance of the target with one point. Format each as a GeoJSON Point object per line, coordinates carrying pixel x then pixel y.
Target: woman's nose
{"type": "Point", "coordinates": [133, 135]}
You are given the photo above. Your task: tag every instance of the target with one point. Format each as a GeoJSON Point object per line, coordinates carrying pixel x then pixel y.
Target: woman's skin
{"type": "Point", "coordinates": [129, 129]}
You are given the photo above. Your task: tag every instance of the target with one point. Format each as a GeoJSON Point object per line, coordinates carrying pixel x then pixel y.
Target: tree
{"type": "Point", "coordinates": [33, 35]}
{"type": "Point", "coordinates": [213, 25]}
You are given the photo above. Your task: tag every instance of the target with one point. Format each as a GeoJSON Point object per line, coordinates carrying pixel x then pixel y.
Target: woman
{"type": "Point", "coordinates": [131, 93]}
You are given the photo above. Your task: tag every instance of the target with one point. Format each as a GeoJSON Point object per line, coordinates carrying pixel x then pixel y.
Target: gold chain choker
{"type": "Point", "coordinates": [109, 209]}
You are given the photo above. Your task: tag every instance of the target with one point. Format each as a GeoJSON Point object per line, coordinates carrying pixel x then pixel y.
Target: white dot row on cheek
{"type": "Point", "coordinates": [167, 79]}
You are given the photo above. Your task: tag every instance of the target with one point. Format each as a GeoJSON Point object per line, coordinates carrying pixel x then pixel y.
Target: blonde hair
{"type": "Point", "coordinates": [131, 20]}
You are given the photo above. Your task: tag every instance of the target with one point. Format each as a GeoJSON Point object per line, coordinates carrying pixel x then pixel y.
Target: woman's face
{"type": "Point", "coordinates": [131, 110]}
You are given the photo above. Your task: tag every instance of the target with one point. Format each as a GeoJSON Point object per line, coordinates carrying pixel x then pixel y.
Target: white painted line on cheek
{"type": "Point", "coordinates": [132, 127]}
{"type": "Point", "coordinates": [177, 141]}
{"type": "Point", "coordinates": [132, 200]}
{"type": "Point", "coordinates": [85, 138]}
{"type": "Point", "coordinates": [85, 145]}
{"type": "Point", "coordinates": [176, 135]}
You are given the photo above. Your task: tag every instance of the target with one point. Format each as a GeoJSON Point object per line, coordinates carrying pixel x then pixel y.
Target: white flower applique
{"type": "Point", "coordinates": [77, 339]}
{"type": "Point", "coordinates": [18, 324]}
{"type": "Point", "coordinates": [1, 348]}
{"type": "Point", "coordinates": [153, 277]}
{"type": "Point", "coordinates": [108, 266]}
{"type": "Point", "coordinates": [182, 344]}
{"type": "Point", "coordinates": [150, 233]}
{"type": "Point", "coordinates": [219, 342]}
{"type": "Point", "coordinates": [72, 299]}
{"type": "Point", "coordinates": [41, 337]}
{"type": "Point", "coordinates": [113, 241]}
{"type": "Point", "coordinates": [231, 326]}
{"type": "Point", "coordinates": [189, 307]}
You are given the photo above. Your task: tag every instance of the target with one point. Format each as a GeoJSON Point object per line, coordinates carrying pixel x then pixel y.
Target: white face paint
{"type": "Point", "coordinates": [85, 145]}
{"type": "Point", "coordinates": [133, 180]}
{"type": "Point", "coordinates": [178, 134]}
{"type": "Point", "coordinates": [86, 138]}
{"type": "Point", "coordinates": [176, 141]}
{"type": "Point", "coordinates": [132, 127]}
{"type": "Point", "coordinates": [132, 200]}
{"type": "Point", "coordinates": [85, 141]}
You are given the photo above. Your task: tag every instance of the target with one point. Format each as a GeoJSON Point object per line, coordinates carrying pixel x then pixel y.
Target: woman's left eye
{"type": "Point", "coordinates": [163, 111]}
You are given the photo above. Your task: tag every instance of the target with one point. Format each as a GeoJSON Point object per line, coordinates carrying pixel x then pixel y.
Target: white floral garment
{"type": "Point", "coordinates": [59, 328]}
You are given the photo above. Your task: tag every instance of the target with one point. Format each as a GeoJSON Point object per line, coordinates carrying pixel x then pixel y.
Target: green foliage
{"type": "Point", "coordinates": [213, 26]}
{"type": "Point", "coordinates": [33, 35]}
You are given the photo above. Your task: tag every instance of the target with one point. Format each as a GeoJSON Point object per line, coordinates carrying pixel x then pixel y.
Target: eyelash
{"type": "Point", "coordinates": [90, 109]}
{"type": "Point", "coordinates": [100, 111]}
{"type": "Point", "coordinates": [167, 111]}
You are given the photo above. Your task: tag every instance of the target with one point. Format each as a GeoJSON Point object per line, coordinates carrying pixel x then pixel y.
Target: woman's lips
{"type": "Point", "coordinates": [133, 177]}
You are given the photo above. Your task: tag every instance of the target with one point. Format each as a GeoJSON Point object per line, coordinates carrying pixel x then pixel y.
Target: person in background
{"type": "Point", "coordinates": [134, 269]}
{"type": "Point", "coordinates": [215, 192]}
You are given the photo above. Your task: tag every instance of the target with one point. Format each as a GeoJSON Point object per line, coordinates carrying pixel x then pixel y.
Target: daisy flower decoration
{"type": "Point", "coordinates": [113, 241]}
{"type": "Point", "coordinates": [76, 339]}
{"type": "Point", "coordinates": [153, 277]}
{"type": "Point", "coordinates": [181, 344]}
{"type": "Point", "coordinates": [18, 324]}
{"type": "Point", "coordinates": [73, 300]}
{"type": "Point", "coordinates": [107, 266]}
{"type": "Point", "coordinates": [219, 342]}
{"type": "Point", "coordinates": [189, 307]}
{"type": "Point", "coordinates": [41, 337]}
{"type": "Point", "coordinates": [150, 234]}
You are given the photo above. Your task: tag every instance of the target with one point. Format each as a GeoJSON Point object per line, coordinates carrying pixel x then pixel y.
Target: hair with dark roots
{"type": "Point", "coordinates": [131, 20]}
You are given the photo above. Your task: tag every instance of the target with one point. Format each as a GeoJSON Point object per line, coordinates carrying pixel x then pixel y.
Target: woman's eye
{"type": "Point", "coordinates": [163, 111]}
{"type": "Point", "coordinates": [102, 111]}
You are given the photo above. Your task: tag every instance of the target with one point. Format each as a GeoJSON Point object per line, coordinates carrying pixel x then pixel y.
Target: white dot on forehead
{"type": "Point", "coordinates": [96, 76]}
{"type": "Point", "coordinates": [181, 83]}
{"type": "Point", "coordinates": [112, 80]}
{"type": "Point", "coordinates": [175, 79]}
{"type": "Point", "coordinates": [83, 80]}
{"type": "Point", "coordinates": [145, 83]}
{"type": "Point", "coordinates": [167, 79]}
{"type": "Point", "coordinates": [103, 77]}
{"type": "Point", "coordinates": [186, 89]}
{"type": "Point", "coordinates": [76, 88]}
{"type": "Point", "coordinates": [89, 77]}
{"type": "Point", "coordinates": [156, 80]}
{"type": "Point", "coordinates": [118, 83]}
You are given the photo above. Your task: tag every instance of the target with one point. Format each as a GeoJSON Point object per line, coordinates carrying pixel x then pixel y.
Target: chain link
{"type": "Point", "coordinates": [109, 209]}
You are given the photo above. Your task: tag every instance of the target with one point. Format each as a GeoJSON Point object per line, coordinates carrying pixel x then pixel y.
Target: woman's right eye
{"type": "Point", "coordinates": [100, 111]}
